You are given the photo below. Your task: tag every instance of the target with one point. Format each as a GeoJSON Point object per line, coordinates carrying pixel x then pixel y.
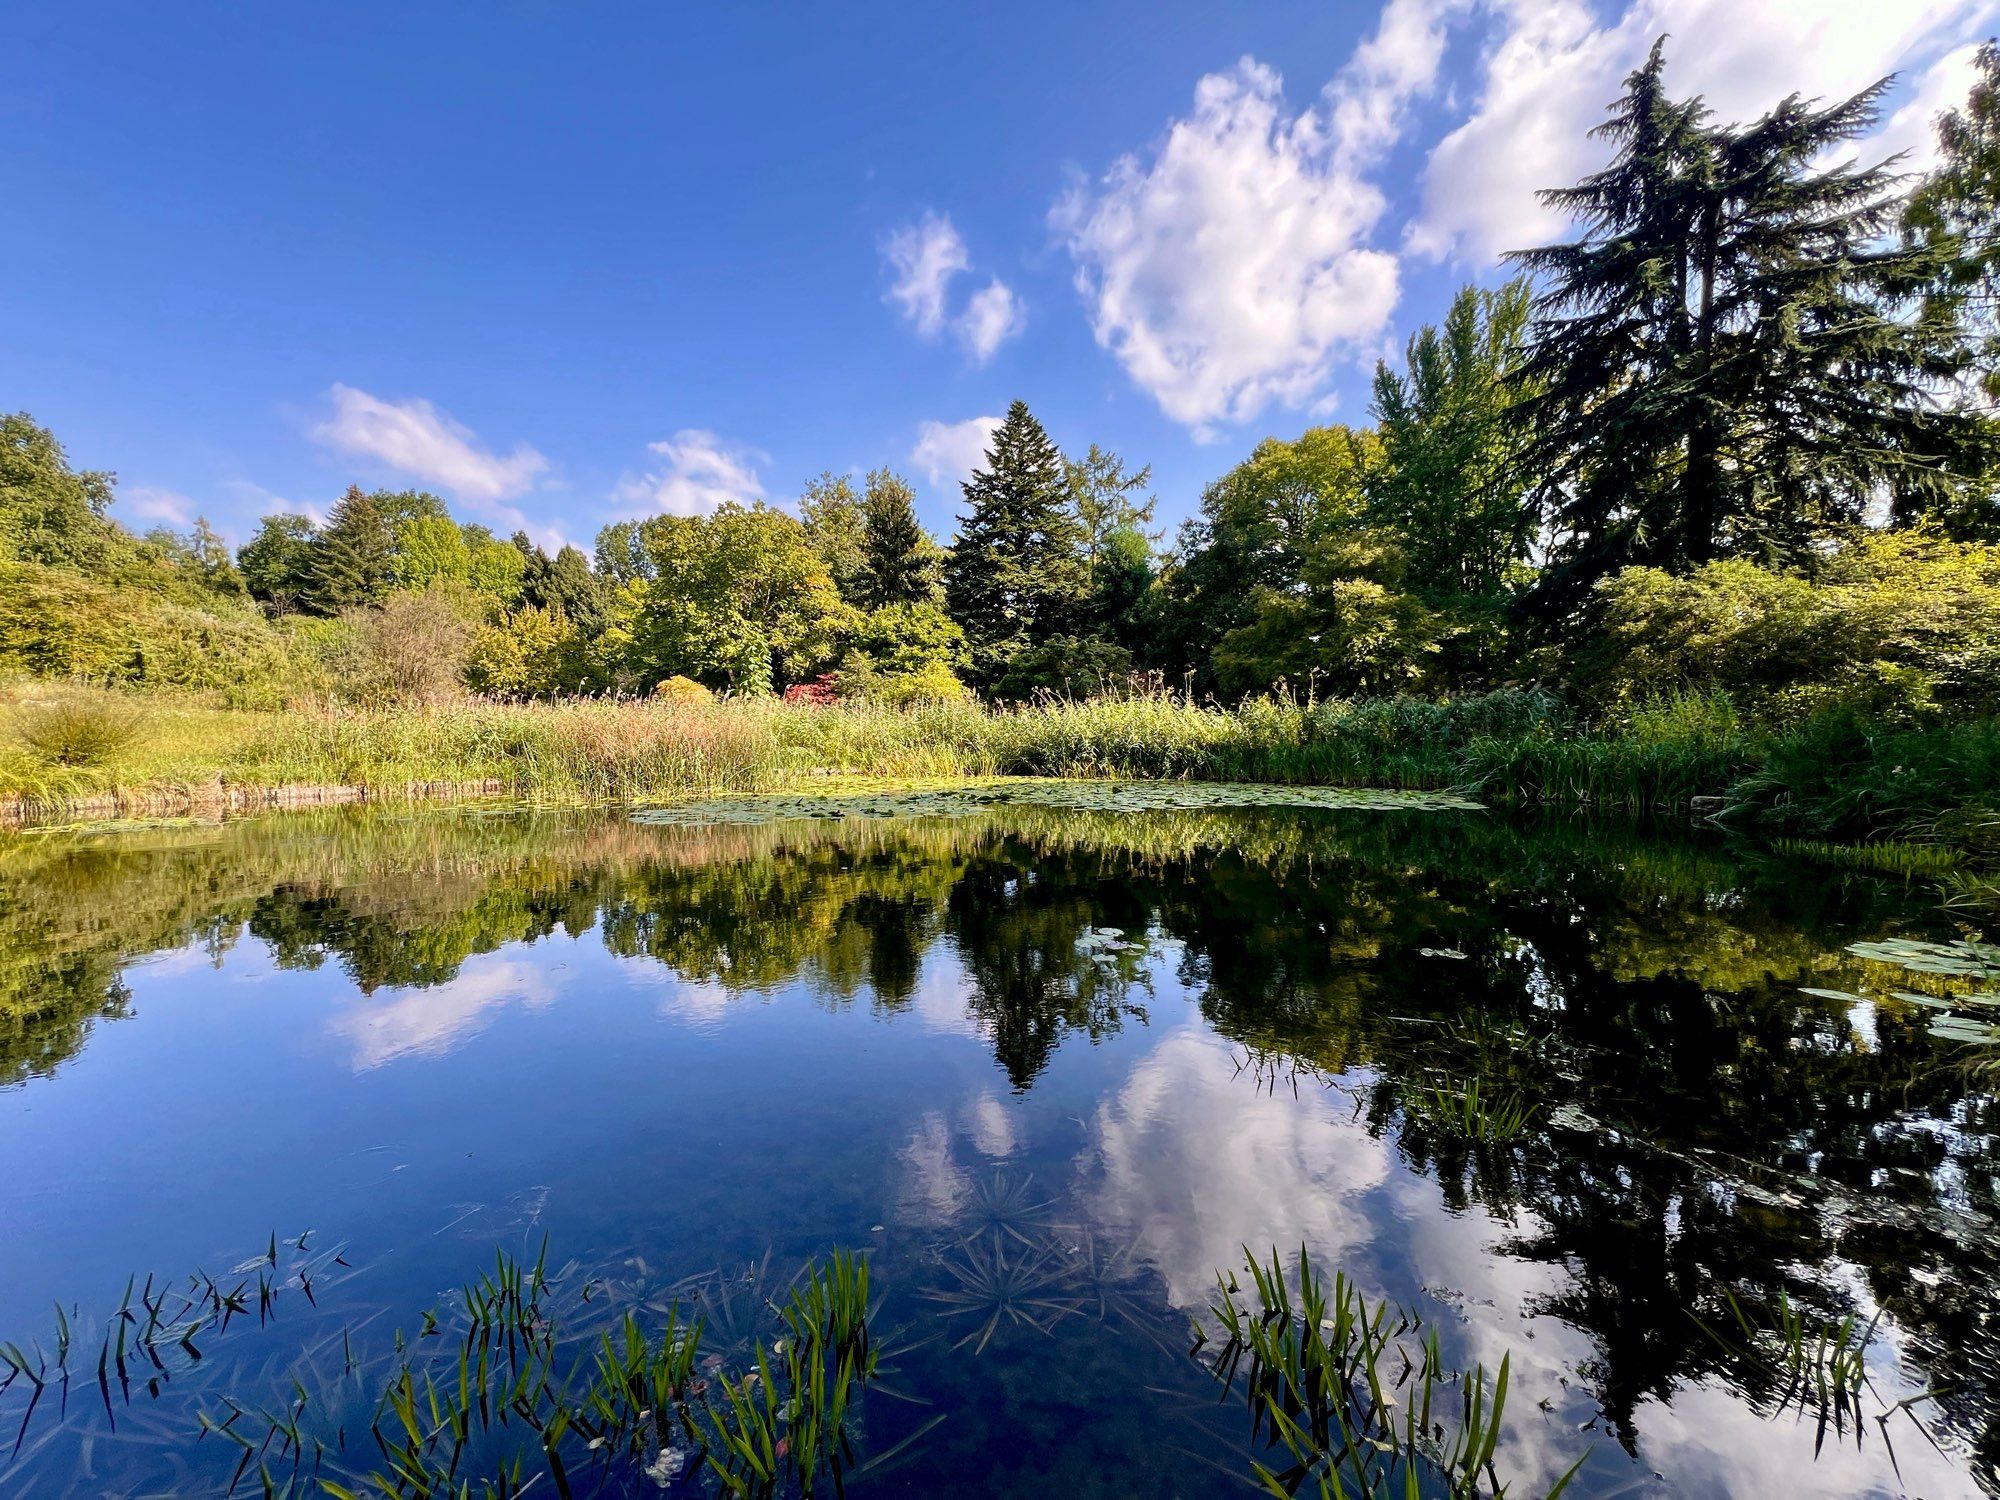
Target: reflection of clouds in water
{"type": "Point", "coordinates": [702, 1003]}
{"type": "Point", "coordinates": [938, 1002]}
{"type": "Point", "coordinates": [934, 1186]}
{"type": "Point", "coordinates": [430, 1022]}
{"type": "Point", "coordinates": [1714, 1444]}
{"type": "Point", "coordinates": [993, 1128]}
{"type": "Point", "coordinates": [1193, 1161]}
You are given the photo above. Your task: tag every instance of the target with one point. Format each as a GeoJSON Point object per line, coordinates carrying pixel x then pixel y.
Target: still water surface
{"type": "Point", "coordinates": [1051, 1067]}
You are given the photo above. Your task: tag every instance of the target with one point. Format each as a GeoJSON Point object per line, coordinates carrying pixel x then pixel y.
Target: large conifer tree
{"type": "Point", "coordinates": [1015, 576]}
{"type": "Point", "coordinates": [1723, 364]}
{"type": "Point", "coordinates": [899, 563]}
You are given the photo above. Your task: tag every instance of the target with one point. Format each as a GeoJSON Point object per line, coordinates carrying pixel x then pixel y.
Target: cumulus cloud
{"type": "Point", "coordinates": [1227, 268]}
{"type": "Point", "coordinates": [697, 472]}
{"type": "Point", "coordinates": [413, 437]}
{"type": "Point", "coordinates": [948, 452]}
{"type": "Point", "coordinates": [925, 257]}
{"type": "Point", "coordinates": [162, 507]}
{"type": "Point", "coordinates": [1551, 66]}
{"type": "Point", "coordinates": [991, 317]}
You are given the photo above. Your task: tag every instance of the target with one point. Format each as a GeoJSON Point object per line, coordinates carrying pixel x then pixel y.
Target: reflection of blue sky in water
{"type": "Point", "coordinates": [541, 1081]}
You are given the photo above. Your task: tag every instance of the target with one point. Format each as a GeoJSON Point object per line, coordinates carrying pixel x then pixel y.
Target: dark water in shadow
{"type": "Point", "coordinates": [1080, 1056]}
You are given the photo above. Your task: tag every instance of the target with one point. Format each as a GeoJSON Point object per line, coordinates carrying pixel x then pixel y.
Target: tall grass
{"type": "Point", "coordinates": [1830, 779]}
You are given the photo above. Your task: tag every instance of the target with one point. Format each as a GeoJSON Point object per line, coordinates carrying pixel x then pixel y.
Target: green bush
{"type": "Point", "coordinates": [1900, 626]}
{"type": "Point", "coordinates": [77, 731]}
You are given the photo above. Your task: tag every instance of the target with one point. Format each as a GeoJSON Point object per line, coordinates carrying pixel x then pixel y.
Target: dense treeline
{"type": "Point", "coordinates": [1736, 437]}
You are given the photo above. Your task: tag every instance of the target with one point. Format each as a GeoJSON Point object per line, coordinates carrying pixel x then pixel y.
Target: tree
{"type": "Point", "coordinates": [416, 644]}
{"type": "Point", "coordinates": [354, 556]}
{"type": "Point", "coordinates": [1449, 481]}
{"type": "Point", "coordinates": [50, 513]}
{"type": "Point", "coordinates": [1015, 576]}
{"type": "Point", "coordinates": [1257, 526]}
{"type": "Point", "coordinates": [276, 563]}
{"type": "Point", "coordinates": [564, 584]}
{"type": "Point", "coordinates": [899, 562]}
{"type": "Point", "coordinates": [1106, 499]}
{"type": "Point", "coordinates": [1353, 626]}
{"type": "Point", "coordinates": [1954, 217]}
{"type": "Point", "coordinates": [430, 549]}
{"type": "Point", "coordinates": [1722, 365]}
{"type": "Point", "coordinates": [832, 515]}
{"type": "Point", "coordinates": [739, 599]}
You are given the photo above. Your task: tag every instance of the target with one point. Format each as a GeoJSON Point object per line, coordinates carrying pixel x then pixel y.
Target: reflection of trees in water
{"type": "Point", "coordinates": [1699, 1123]}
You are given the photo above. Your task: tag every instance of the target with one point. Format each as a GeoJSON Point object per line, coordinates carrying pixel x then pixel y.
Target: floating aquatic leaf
{"type": "Point", "coordinates": [1843, 995]}
{"type": "Point", "coordinates": [1072, 796]}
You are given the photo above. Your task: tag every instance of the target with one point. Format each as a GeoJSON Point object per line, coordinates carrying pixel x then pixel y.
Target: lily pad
{"type": "Point", "coordinates": [1073, 796]}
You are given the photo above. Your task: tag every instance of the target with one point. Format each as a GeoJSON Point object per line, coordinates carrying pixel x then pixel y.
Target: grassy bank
{"type": "Point", "coordinates": [1831, 778]}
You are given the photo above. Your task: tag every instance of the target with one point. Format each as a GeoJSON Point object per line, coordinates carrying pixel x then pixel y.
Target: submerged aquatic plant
{"type": "Point", "coordinates": [995, 1280]}
{"type": "Point", "coordinates": [1349, 1394]}
{"type": "Point", "coordinates": [495, 1394]}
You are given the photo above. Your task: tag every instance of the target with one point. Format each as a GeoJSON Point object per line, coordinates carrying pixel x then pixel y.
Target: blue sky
{"type": "Point", "coordinates": [566, 263]}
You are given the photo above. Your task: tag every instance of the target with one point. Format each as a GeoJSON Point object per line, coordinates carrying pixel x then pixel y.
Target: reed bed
{"type": "Point", "coordinates": [1834, 780]}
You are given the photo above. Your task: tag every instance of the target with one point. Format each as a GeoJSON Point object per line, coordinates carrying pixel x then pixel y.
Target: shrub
{"type": "Point", "coordinates": [78, 731]}
{"type": "Point", "coordinates": [683, 691]}
{"type": "Point", "coordinates": [1899, 626]}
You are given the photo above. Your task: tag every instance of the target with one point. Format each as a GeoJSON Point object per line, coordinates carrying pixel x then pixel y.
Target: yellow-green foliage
{"type": "Point", "coordinates": [1902, 626]}
{"type": "Point", "coordinates": [55, 623]}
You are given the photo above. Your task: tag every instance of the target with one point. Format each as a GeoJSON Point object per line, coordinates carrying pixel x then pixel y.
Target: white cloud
{"type": "Point", "coordinates": [925, 256]}
{"type": "Point", "coordinates": [1912, 129]}
{"type": "Point", "coordinates": [1552, 66]}
{"type": "Point", "coordinates": [991, 317]}
{"type": "Point", "coordinates": [413, 437]}
{"type": "Point", "coordinates": [699, 472]}
{"type": "Point", "coordinates": [1369, 101]}
{"type": "Point", "coordinates": [163, 507]}
{"type": "Point", "coordinates": [1229, 270]}
{"type": "Point", "coordinates": [948, 452]}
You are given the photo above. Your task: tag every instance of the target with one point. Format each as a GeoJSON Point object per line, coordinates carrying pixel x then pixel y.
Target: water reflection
{"type": "Point", "coordinates": [1276, 996]}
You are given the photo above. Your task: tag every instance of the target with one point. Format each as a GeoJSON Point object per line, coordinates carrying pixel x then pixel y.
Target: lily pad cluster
{"type": "Point", "coordinates": [1952, 960]}
{"type": "Point", "coordinates": [1073, 796]}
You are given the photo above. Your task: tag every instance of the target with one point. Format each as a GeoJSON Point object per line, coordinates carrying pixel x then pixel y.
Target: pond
{"type": "Point", "coordinates": [1616, 1106]}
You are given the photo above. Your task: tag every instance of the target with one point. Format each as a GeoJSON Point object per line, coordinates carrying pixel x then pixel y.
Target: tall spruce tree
{"type": "Point", "coordinates": [354, 555]}
{"type": "Point", "coordinates": [899, 562]}
{"type": "Point", "coordinates": [1723, 364]}
{"type": "Point", "coordinates": [1015, 576]}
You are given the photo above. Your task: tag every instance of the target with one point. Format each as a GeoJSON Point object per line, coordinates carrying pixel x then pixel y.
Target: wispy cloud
{"type": "Point", "coordinates": [697, 472]}
{"type": "Point", "coordinates": [925, 258]}
{"type": "Point", "coordinates": [162, 507]}
{"type": "Point", "coordinates": [413, 437]}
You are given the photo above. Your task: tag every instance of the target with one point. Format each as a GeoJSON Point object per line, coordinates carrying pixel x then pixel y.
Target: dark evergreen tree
{"type": "Point", "coordinates": [573, 588]}
{"type": "Point", "coordinates": [1015, 576]}
{"type": "Point", "coordinates": [1723, 365]}
{"type": "Point", "coordinates": [353, 557]}
{"type": "Point", "coordinates": [899, 561]}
